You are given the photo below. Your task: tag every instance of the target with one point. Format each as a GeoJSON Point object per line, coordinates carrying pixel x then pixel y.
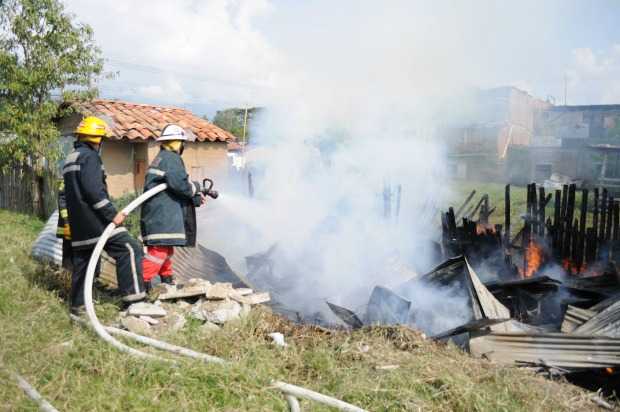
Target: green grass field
{"type": "Point", "coordinates": [461, 189]}
{"type": "Point", "coordinates": [75, 371]}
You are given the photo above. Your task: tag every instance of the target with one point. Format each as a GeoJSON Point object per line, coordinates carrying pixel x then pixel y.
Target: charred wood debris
{"type": "Point", "coordinates": [555, 281]}
{"type": "Point", "coordinates": [547, 297]}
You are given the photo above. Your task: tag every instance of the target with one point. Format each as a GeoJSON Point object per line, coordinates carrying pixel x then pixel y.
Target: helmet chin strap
{"type": "Point", "coordinates": [174, 146]}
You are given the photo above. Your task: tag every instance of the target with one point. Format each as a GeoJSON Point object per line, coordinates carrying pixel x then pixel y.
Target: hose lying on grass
{"type": "Point", "coordinates": [291, 391]}
{"type": "Point", "coordinates": [32, 393]}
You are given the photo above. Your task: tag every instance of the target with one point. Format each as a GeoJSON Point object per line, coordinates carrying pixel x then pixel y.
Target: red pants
{"type": "Point", "coordinates": [157, 261]}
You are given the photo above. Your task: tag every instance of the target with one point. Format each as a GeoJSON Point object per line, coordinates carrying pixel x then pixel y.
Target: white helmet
{"type": "Point", "coordinates": [175, 132]}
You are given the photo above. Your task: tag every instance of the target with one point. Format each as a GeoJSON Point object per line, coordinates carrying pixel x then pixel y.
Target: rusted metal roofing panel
{"type": "Point", "coordinates": [567, 351]}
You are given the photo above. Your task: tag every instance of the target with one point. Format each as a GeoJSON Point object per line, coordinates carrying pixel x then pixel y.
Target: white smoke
{"type": "Point", "coordinates": [350, 90]}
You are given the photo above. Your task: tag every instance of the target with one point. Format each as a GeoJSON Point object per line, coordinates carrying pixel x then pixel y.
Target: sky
{"type": "Point", "coordinates": [211, 54]}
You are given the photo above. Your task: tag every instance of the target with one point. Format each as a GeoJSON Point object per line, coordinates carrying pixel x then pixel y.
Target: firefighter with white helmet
{"type": "Point", "coordinates": [168, 218]}
{"type": "Point", "coordinates": [89, 210]}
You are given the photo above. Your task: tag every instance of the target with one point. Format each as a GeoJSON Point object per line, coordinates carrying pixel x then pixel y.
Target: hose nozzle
{"type": "Point", "coordinates": [207, 189]}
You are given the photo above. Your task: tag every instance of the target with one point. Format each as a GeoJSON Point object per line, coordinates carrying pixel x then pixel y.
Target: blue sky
{"type": "Point", "coordinates": [217, 53]}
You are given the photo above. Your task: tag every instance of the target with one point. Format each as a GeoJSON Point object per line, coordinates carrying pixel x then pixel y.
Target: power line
{"type": "Point", "coordinates": [160, 70]}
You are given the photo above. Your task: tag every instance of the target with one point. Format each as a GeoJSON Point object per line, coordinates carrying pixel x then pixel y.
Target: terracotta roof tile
{"type": "Point", "coordinates": [144, 121]}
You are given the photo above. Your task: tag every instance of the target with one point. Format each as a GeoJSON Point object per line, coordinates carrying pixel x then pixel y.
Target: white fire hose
{"type": "Point", "coordinates": [291, 391]}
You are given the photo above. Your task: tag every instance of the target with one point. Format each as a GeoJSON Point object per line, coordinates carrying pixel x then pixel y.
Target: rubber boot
{"type": "Point", "coordinates": [148, 286]}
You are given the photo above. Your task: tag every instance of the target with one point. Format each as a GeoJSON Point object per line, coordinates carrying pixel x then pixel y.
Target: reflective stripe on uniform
{"type": "Point", "coordinates": [72, 168]}
{"type": "Point", "coordinates": [64, 213]}
{"type": "Point", "coordinates": [72, 157]}
{"type": "Point", "coordinates": [157, 236]}
{"type": "Point", "coordinates": [94, 240]}
{"type": "Point", "coordinates": [100, 204]}
{"type": "Point", "coordinates": [157, 172]}
{"type": "Point", "coordinates": [134, 273]}
{"type": "Point", "coordinates": [154, 259]}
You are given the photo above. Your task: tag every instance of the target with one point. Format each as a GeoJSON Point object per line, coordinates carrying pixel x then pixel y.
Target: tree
{"type": "Point", "coordinates": [45, 58]}
{"type": "Point", "coordinates": [233, 120]}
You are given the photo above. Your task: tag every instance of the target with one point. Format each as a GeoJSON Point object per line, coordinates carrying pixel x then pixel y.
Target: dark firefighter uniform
{"type": "Point", "coordinates": [90, 211]}
{"type": "Point", "coordinates": [168, 218]}
{"type": "Point", "coordinates": [63, 231]}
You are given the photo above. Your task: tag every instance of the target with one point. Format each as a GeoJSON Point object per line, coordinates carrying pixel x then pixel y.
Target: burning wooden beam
{"type": "Point", "coordinates": [595, 227]}
{"type": "Point", "coordinates": [603, 222]}
{"type": "Point", "coordinates": [507, 215]}
{"type": "Point", "coordinates": [582, 228]}
{"type": "Point", "coordinates": [541, 211]}
{"type": "Point", "coordinates": [557, 220]}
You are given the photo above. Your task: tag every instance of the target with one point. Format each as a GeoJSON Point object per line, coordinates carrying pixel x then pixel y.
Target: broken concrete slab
{"type": "Point", "coordinates": [146, 309]}
{"type": "Point", "coordinates": [136, 325]}
{"type": "Point", "coordinates": [176, 322]}
{"type": "Point", "coordinates": [245, 310]}
{"type": "Point", "coordinates": [220, 291]}
{"type": "Point", "coordinates": [243, 291]}
{"type": "Point", "coordinates": [225, 311]}
{"type": "Point", "coordinates": [149, 320]}
{"type": "Point", "coordinates": [167, 292]}
{"type": "Point", "coordinates": [196, 311]}
{"type": "Point", "coordinates": [253, 299]}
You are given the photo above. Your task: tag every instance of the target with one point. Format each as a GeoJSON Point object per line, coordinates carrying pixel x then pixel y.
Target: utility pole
{"type": "Point", "coordinates": [245, 123]}
{"type": "Point", "coordinates": [565, 87]}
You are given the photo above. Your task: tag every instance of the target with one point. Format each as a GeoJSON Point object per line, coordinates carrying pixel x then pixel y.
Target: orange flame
{"type": "Point", "coordinates": [534, 258]}
{"type": "Point", "coordinates": [609, 370]}
{"type": "Point", "coordinates": [572, 267]}
{"type": "Point", "coordinates": [484, 228]}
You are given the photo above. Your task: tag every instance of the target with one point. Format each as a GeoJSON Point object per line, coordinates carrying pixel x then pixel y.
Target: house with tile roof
{"type": "Point", "coordinates": [132, 146]}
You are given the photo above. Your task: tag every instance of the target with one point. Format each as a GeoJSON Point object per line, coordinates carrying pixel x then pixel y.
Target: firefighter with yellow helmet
{"type": "Point", "coordinates": [89, 211]}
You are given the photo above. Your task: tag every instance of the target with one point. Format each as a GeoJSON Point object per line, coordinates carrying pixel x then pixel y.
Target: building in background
{"type": "Point", "coordinates": [579, 143]}
{"type": "Point", "coordinates": [491, 121]}
{"type": "Point", "coordinates": [131, 148]}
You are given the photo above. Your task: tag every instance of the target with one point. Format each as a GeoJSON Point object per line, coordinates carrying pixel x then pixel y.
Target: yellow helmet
{"type": "Point", "coordinates": [92, 129]}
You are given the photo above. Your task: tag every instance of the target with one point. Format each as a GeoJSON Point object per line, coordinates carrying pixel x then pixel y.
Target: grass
{"type": "Point", "coordinates": [76, 371]}
{"type": "Point", "coordinates": [518, 196]}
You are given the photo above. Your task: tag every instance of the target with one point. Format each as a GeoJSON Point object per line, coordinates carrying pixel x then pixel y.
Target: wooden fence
{"type": "Point", "coordinates": [23, 190]}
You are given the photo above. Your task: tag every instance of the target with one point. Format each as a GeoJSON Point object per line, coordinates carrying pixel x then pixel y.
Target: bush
{"type": "Point", "coordinates": [132, 223]}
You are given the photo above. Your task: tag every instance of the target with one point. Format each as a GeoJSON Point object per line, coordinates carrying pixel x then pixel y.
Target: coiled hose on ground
{"type": "Point", "coordinates": [291, 391]}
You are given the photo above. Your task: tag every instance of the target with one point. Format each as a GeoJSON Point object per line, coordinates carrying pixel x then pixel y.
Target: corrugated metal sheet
{"type": "Point", "coordinates": [47, 247]}
{"type": "Point", "coordinates": [605, 323]}
{"type": "Point", "coordinates": [198, 262]}
{"type": "Point", "coordinates": [575, 317]}
{"type": "Point", "coordinates": [566, 351]}
{"type": "Point", "coordinates": [188, 263]}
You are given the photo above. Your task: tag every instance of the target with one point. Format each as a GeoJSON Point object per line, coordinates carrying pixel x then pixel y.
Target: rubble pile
{"type": "Point", "coordinates": [172, 306]}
